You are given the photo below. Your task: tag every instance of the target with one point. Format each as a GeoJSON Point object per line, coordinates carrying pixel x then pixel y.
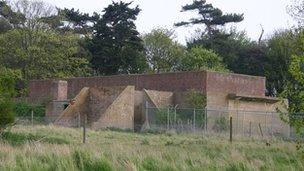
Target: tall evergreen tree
{"type": "Point", "coordinates": [209, 16]}
{"type": "Point", "coordinates": [116, 46]}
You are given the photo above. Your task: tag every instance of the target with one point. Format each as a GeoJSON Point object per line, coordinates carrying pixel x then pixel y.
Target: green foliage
{"type": "Point", "coordinates": [9, 17]}
{"type": "Point", "coordinates": [4, 25]}
{"type": "Point", "coordinates": [161, 116]}
{"type": "Point", "coordinates": [25, 109]}
{"type": "Point", "coordinates": [162, 52]}
{"type": "Point", "coordinates": [41, 55]}
{"type": "Point", "coordinates": [7, 115]}
{"type": "Point", "coordinates": [239, 54]}
{"type": "Point", "coordinates": [294, 91]}
{"type": "Point", "coordinates": [196, 99]}
{"type": "Point", "coordinates": [221, 124]}
{"type": "Point", "coordinates": [282, 46]}
{"type": "Point", "coordinates": [17, 139]}
{"type": "Point", "coordinates": [8, 78]}
{"type": "Point", "coordinates": [84, 161]}
{"type": "Point", "coordinates": [182, 116]}
{"type": "Point", "coordinates": [294, 88]}
{"type": "Point", "coordinates": [198, 58]}
{"type": "Point", "coordinates": [252, 59]}
{"type": "Point", "coordinates": [7, 91]}
{"type": "Point", "coordinates": [116, 46]}
{"type": "Point", "coordinates": [209, 16]}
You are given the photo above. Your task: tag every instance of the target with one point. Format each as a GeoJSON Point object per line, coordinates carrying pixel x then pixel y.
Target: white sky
{"type": "Point", "coordinates": [164, 13]}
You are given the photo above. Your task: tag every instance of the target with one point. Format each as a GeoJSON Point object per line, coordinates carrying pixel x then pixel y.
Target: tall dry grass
{"type": "Point", "coordinates": [53, 148]}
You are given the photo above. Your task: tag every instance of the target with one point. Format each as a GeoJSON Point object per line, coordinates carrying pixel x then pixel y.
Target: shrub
{"type": "Point", "coordinates": [7, 115]}
{"type": "Point", "coordinates": [196, 99]}
{"type": "Point", "coordinates": [25, 109]}
{"type": "Point", "coordinates": [8, 79]}
{"type": "Point", "coordinates": [221, 124]}
{"type": "Point", "coordinates": [161, 116]}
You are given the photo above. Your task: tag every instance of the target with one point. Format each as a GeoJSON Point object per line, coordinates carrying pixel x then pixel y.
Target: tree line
{"type": "Point", "coordinates": [40, 41]}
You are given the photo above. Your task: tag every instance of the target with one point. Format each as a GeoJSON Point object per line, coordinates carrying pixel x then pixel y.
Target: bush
{"type": "Point", "coordinates": [7, 115]}
{"type": "Point", "coordinates": [196, 99]}
{"type": "Point", "coordinates": [25, 110]}
{"type": "Point", "coordinates": [221, 124]}
{"type": "Point", "coordinates": [8, 79]}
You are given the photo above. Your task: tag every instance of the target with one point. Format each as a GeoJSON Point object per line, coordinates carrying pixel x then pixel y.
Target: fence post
{"type": "Point", "coordinates": [230, 129]}
{"type": "Point", "coordinates": [84, 129]}
{"type": "Point", "coordinates": [271, 124]}
{"type": "Point", "coordinates": [168, 121]}
{"type": "Point", "coordinates": [175, 117]}
{"type": "Point", "coordinates": [266, 129]}
{"type": "Point", "coordinates": [237, 121]}
{"type": "Point", "coordinates": [194, 113]}
{"type": "Point", "coordinates": [250, 129]}
{"type": "Point", "coordinates": [79, 120]}
{"type": "Point", "coordinates": [261, 130]}
{"type": "Point", "coordinates": [146, 114]}
{"type": "Point", "coordinates": [32, 117]}
{"type": "Point", "coordinates": [206, 128]}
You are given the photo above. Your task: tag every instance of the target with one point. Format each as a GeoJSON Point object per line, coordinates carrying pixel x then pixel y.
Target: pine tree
{"type": "Point", "coordinates": [116, 46]}
{"type": "Point", "coordinates": [210, 16]}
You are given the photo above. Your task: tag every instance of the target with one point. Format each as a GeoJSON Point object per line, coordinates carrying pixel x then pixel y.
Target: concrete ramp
{"type": "Point", "coordinates": [73, 115]}
{"type": "Point", "coordinates": [100, 99]}
{"type": "Point", "coordinates": [103, 107]}
{"type": "Point", "coordinates": [117, 111]}
{"type": "Point", "coordinates": [159, 99]}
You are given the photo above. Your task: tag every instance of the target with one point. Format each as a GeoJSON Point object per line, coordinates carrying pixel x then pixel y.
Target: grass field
{"type": "Point", "coordinates": [52, 148]}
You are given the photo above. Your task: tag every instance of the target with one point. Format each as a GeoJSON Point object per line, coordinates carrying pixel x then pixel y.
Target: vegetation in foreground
{"type": "Point", "coordinates": [52, 148]}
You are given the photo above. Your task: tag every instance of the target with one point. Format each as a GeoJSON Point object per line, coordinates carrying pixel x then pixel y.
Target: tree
{"type": "Point", "coordinates": [198, 58]}
{"type": "Point", "coordinates": [252, 59]}
{"type": "Point", "coordinates": [227, 44]}
{"type": "Point", "coordinates": [294, 89]}
{"type": "Point", "coordinates": [9, 18]}
{"type": "Point", "coordinates": [296, 11]}
{"type": "Point", "coordinates": [209, 16]}
{"type": "Point", "coordinates": [8, 78]}
{"type": "Point", "coordinates": [50, 55]}
{"type": "Point", "coordinates": [4, 25]}
{"type": "Point", "coordinates": [282, 45]}
{"type": "Point", "coordinates": [31, 13]}
{"type": "Point", "coordinates": [72, 20]}
{"type": "Point", "coordinates": [162, 52]}
{"type": "Point", "coordinates": [116, 46]}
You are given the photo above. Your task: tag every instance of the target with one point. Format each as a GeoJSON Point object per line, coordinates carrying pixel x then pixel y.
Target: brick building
{"type": "Point", "coordinates": [225, 91]}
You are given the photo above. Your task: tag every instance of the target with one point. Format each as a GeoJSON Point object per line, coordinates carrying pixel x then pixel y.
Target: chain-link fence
{"type": "Point", "coordinates": [208, 122]}
{"type": "Point", "coordinates": [73, 121]}
{"type": "Point", "coordinates": [217, 122]}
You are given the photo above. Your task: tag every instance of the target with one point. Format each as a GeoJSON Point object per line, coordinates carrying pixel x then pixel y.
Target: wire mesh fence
{"type": "Point", "coordinates": [210, 122]}
{"type": "Point", "coordinates": [217, 122]}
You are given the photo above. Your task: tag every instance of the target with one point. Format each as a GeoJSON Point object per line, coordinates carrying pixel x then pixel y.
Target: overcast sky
{"type": "Point", "coordinates": [271, 14]}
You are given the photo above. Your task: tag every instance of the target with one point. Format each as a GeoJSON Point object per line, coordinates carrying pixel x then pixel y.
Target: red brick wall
{"type": "Point", "coordinates": [40, 90]}
{"type": "Point", "coordinates": [235, 83]}
{"type": "Point", "coordinates": [47, 90]}
{"type": "Point", "coordinates": [180, 81]}
{"type": "Point", "coordinates": [163, 82]}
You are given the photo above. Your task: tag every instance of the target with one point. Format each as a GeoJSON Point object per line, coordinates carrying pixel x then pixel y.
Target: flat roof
{"type": "Point", "coordinates": [253, 98]}
{"type": "Point", "coordinates": [151, 74]}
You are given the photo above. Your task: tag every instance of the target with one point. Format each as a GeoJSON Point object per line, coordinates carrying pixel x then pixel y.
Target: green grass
{"type": "Point", "coordinates": [51, 148]}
